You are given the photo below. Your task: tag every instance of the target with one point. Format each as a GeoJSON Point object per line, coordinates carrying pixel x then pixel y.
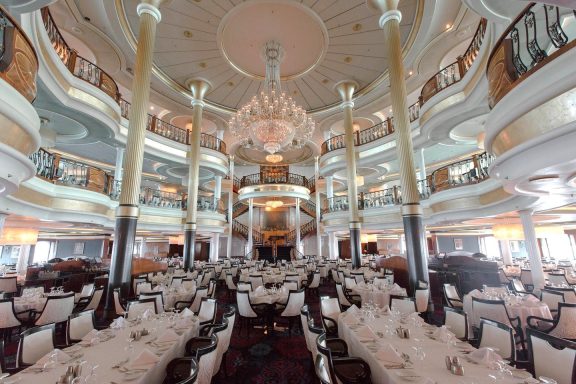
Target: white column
{"type": "Point", "coordinates": [23, 256]}
{"type": "Point", "coordinates": [329, 190]}
{"type": "Point", "coordinates": [3, 217]}
{"type": "Point", "coordinates": [421, 164]}
{"type": "Point", "coordinates": [214, 247]}
{"type": "Point", "coordinates": [506, 253]}
{"type": "Point", "coordinates": [331, 250]}
{"type": "Point", "coordinates": [250, 224]}
{"type": "Point", "coordinates": [119, 164]}
{"type": "Point", "coordinates": [217, 190]}
{"type": "Point", "coordinates": [297, 224]}
{"type": "Point", "coordinates": [230, 208]}
{"type": "Point", "coordinates": [532, 248]}
{"type": "Point", "coordinates": [220, 134]}
{"type": "Point", "coordinates": [143, 247]}
{"type": "Point", "coordinates": [317, 195]}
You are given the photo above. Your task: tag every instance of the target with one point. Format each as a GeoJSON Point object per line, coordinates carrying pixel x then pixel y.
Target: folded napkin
{"type": "Point", "coordinates": [259, 291]}
{"type": "Point", "coordinates": [350, 320]}
{"type": "Point", "coordinates": [186, 313]}
{"type": "Point", "coordinates": [416, 317]}
{"type": "Point", "coordinates": [148, 313]}
{"type": "Point", "coordinates": [183, 323]}
{"type": "Point", "coordinates": [167, 336]}
{"type": "Point", "coordinates": [89, 336]}
{"type": "Point", "coordinates": [485, 356]}
{"type": "Point", "coordinates": [118, 323]}
{"type": "Point", "coordinates": [443, 334]}
{"type": "Point", "coordinates": [61, 356]}
{"type": "Point", "coordinates": [366, 334]}
{"type": "Point", "coordinates": [388, 355]}
{"type": "Point", "coordinates": [530, 299]}
{"type": "Point", "coordinates": [353, 309]}
{"type": "Point", "coordinates": [144, 360]}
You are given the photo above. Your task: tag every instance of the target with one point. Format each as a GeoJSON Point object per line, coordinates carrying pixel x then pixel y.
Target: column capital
{"type": "Point", "coordinates": [199, 87]}
{"type": "Point", "coordinates": [387, 8]}
{"type": "Point", "coordinates": [151, 8]}
{"type": "Point", "coordinates": [345, 89]}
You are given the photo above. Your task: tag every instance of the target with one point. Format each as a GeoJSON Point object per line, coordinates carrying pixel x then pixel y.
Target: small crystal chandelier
{"type": "Point", "coordinates": [272, 121]}
{"type": "Point", "coordinates": [274, 158]}
{"type": "Point", "coordinates": [274, 203]}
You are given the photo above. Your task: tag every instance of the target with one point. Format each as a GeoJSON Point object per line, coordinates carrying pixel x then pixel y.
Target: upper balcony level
{"type": "Point", "coordinates": [275, 181]}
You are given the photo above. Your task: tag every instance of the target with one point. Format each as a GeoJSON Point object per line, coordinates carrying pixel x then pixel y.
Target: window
{"type": "Point", "coordinates": [44, 251]}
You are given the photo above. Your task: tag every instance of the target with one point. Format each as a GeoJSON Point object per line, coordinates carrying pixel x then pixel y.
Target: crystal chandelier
{"type": "Point", "coordinates": [274, 203]}
{"type": "Point", "coordinates": [272, 121]}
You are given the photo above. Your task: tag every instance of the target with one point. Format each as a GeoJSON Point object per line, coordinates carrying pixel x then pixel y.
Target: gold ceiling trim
{"type": "Point", "coordinates": [471, 202]}
{"type": "Point", "coordinates": [16, 137]}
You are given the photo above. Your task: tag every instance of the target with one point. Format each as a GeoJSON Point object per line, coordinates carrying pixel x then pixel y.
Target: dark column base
{"type": "Point", "coordinates": [416, 249]}
{"type": "Point", "coordinates": [121, 265]}
{"type": "Point", "coordinates": [189, 240]}
{"type": "Point", "coordinates": [355, 245]}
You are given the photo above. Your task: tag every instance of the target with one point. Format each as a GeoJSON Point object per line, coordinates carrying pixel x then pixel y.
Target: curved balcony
{"type": "Point", "coordinates": [461, 173]}
{"type": "Point", "coordinates": [276, 178]}
{"type": "Point", "coordinates": [538, 35]}
{"type": "Point", "coordinates": [91, 73]}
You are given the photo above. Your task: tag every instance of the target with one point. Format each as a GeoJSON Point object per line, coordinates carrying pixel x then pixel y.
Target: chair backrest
{"type": "Point", "coordinates": [8, 318]}
{"type": "Point", "coordinates": [456, 321]}
{"type": "Point", "coordinates": [450, 294]}
{"type": "Point", "coordinates": [557, 279]}
{"type": "Point", "coordinates": [359, 277]}
{"type": "Point", "coordinates": [323, 364]}
{"type": "Point", "coordinates": [8, 284]}
{"type": "Point", "coordinates": [157, 296]}
{"type": "Point", "coordinates": [230, 282]}
{"type": "Point", "coordinates": [329, 309]}
{"type": "Point", "coordinates": [491, 310]}
{"type": "Point", "coordinates": [143, 287]}
{"type": "Point", "coordinates": [569, 294]}
{"type": "Point", "coordinates": [350, 282]}
{"type": "Point", "coordinates": [323, 271]}
{"type": "Point", "coordinates": [207, 311]}
{"type": "Point", "coordinates": [304, 313]}
{"type": "Point", "coordinates": [182, 370]}
{"type": "Point", "coordinates": [230, 315]}
{"type": "Point", "coordinates": [57, 309]}
{"type": "Point", "coordinates": [136, 281]}
{"type": "Point", "coordinates": [404, 305]}
{"type": "Point", "coordinates": [335, 276]}
{"type": "Point", "coordinates": [526, 276]}
{"type": "Point", "coordinates": [341, 296]}
{"type": "Point", "coordinates": [208, 274]}
{"type": "Point", "coordinates": [87, 289]}
{"type": "Point", "coordinates": [552, 357]}
{"type": "Point", "coordinates": [294, 304]}
{"type": "Point", "coordinates": [315, 280]}
{"type": "Point", "coordinates": [176, 281]}
{"type": "Point", "coordinates": [291, 285]}
{"type": "Point", "coordinates": [295, 278]}
{"type": "Point", "coordinates": [188, 283]}
{"type": "Point", "coordinates": [244, 306]}
{"type": "Point", "coordinates": [201, 293]}
{"type": "Point", "coordinates": [117, 305]}
{"type": "Point", "coordinates": [244, 286]}
{"type": "Point", "coordinates": [422, 295]}
{"type": "Point", "coordinates": [518, 286]}
{"type": "Point", "coordinates": [565, 326]}
{"type": "Point", "coordinates": [95, 299]}
{"type": "Point", "coordinates": [551, 298]}
{"type": "Point", "coordinates": [138, 307]}
{"type": "Point", "coordinates": [79, 325]}
{"type": "Point", "coordinates": [35, 343]}
{"type": "Point", "coordinates": [211, 288]}
{"type": "Point", "coordinates": [207, 356]}
{"type": "Point", "coordinates": [497, 335]}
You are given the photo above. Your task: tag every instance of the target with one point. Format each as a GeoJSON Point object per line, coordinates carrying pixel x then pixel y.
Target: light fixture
{"type": "Point", "coordinates": [271, 121]}
{"type": "Point", "coordinates": [274, 203]}
{"type": "Point", "coordinates": [274, 158]}
{"type": "Point", "coordinates": [355, 127]}
{"type": "Point", "coordinates": [549, 230]}
{"type": "Point", "coordinates": [508, 232]}
{"type": "Point", "coordinates": [176, 240]}
{"type": "Point", "coordinates": [359, 181]}
{"type": "Point", "coordinates": [448, 26]}
{"type": "Point", "coordinates": [19, 236]}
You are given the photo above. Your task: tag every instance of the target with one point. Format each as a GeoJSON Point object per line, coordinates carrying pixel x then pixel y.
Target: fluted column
{"type": "Point", "coordinates": [421, 164]}
{"type": "Point", "coordinates": [230, 210]}
{"type": "Point", "coordinates": [119, 164]}
{"type": "Point", "coordinates": [417, 250]}
{"type": "Point", "coordinates": [317, 196]}
{"type": "Point", "coordinates": [297, 224]}
{"type": "Point", "coordinates": [217, 190]}
{"type": "Point", "coordinates": [251, 225]}
{"type": "Point", "coordinates": [127, 212]}
{"type": "Point", "coordinates": [346, 90]}
{"type": "Point", "coordinates": [199, 88]}
{"type": "Point", "coordinates": [531, 242]}
{"type": "Point", "coordinates": [329, 191]}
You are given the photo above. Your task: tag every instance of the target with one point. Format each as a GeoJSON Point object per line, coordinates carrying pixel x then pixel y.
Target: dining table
{"type": "Point", "coordinates": [379, 294]}
{"type": "Point", "coordinates": [419, 358]}
{"type": "Point", "coordinates": [172, 295]}
{"type": "Point", "coordinates": [116, 357]}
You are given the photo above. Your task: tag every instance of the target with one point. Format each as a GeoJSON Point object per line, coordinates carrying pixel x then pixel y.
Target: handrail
{"type": "Point", "coordinates": [454, 72]}
{"type": "Point", "coordinates": [243, 230]}
{"type": "Point", "coordinates": [305, 230]}
{"type": "Point", "coordinates": [464, 172]}
{"type": "Point", "coordinates": [18, 59]}
{"type": "Point", "coordinates": [517, 55]}
{"type": "Point", "coordinates": [91, 73]}
{"type": "Point", "coordinates": [274, 178]}
{"type": "Point", "coordinates": [238, 208]}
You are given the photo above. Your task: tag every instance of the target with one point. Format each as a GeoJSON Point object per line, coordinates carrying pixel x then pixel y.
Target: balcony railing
{"type": "Point", "coordinates": [243, 230]}
{"type": "Point", "coordinates": [454, 72]}
{"type": "Point", "coordinates": [538, 35]}
{"type": "Point", "coordinates": [91, 73]}
{"type": "Point", "coordinates": [18, 60]}
{"type": "Point", "coordinates": [153, 197]}
{"type": "Point", "coordinates": [465, 172]}
{"type": "Point", "coordinates": [274, 178]}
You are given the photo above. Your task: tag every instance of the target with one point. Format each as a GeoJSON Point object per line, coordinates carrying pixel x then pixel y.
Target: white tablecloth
{"type": "Point", "coordinates": [171, 296]}
{"type": "Point", "coordinates": [24, 304]}
{"type": "Point", "coordinates": [380, 297]}
{"type": "Point", "coordinates": [278, 297]}
{"type": "Point", "coordinates": [433, 365]}
{"type": "Point", "coordinates": [112, 352]}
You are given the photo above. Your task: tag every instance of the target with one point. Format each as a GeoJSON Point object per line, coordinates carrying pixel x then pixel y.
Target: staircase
{"type": "Point", "coordinates": [243, 231]}
{"type": "Point", "coordinates": [307, 229]}
{"type": "Point", "coordinates": [308, 207]}
{"type": "Point", "coordinates": [238, 209]}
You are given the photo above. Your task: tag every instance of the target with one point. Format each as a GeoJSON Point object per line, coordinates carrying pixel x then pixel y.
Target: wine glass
{"type": "Point", "coordinates": [92, 377]}
{"type": "Point", "coordinates": [130, 347]}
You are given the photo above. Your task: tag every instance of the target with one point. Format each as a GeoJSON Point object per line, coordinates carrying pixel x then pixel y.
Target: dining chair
{"type": "Point", "coordinates": [451, 295]}
{"type": "Point", "coordinates": [207, 311]}
{"type": "Point", "coordinates": [290, 285]}
{"type": "Point", "coordinates": [206, 354]}
{"type": "Point", "coordinates": [358, 276]}
{"type": "Point", "coordinates": [87, 290]}
{"type": "Point", "coordinates": [142, 287]}
{"type": "Point", "coordinates": [329, 312]}
{"type": "Point", "coordinates": [291, 310]}
{"type": "Point", "coordinates": [208, 274]}
{"type": "Point", "coordinates": [79, 325]}
{"type": "Point", "coordinates": [34, 343]}
{"type": "Point", "coordinates": [551, 299]}
{"type": "Point", "coordinates": [248, 314]}
{"type": "Point", "coordinates": [335, 276]}
{"type": "Point", "coordinates": [137, 308]}
{"type": "Point", "coordinates": [404, 305]}
{"type": "Point", "coordinates": [194, 304]}
{"type": "Point", "coordinates": [551, 356]}
{"type": "Point", "coordinates": [568, 292]}
{"type": "Point", "coordinates": [304, 316]}
{"type": "Point", "coordinates": [211, 288]}
{"type": "Point", "coordinates": [456, 320]}
{"type": "Point", "coordinates": [137, 280]}
{"type": "Point", "coordinates": [188, 283]}
{"type": "Point", "coordinates": [9, 318]}
{"type": "Point", "coordinates": [244, 287]}
{"type": "Point", "coordinates": [292, 277]}
{"type": "Point", "coordinates": [56, 310]}
{"type": "Point", "coordinates": [497, 335]}
{"type": "Point", "coordinates": [118, 307]}
{"type": "Point", "coordinates": [526, 279]}
{"type": "Point", "coordinates": [519, 287]}
{"type": "Point", "coordinates": [176, 281]}
{"type": "Point", "coordinates": [230, 285]}
{"type": "Point", "coordinates": [349, 283]}
{"type": "Point", "coordinates": [182, 370]}
{"type": "Point", "coordinates": [563, 326]}
{"type": "Point", "coordinates": [495, 310]}
{"type": "Point", "coordinates": [345, 370]}
{"type": "Point", "coordinates": [315, 283]}
{"type": "Point", "coordinates": [8, 285]}
{"type": "Point", "coordinates": [90, 302]}
{"type": "Point", "coordinates": [158, 296]}
{"type": "Point", "coordinates": [346, 299]}
{"type": "Point", "coordinates": [230, 316]}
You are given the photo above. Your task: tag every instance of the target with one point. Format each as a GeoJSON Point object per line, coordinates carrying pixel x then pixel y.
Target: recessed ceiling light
{"type": "Point", "coordinates": [357, 27]}
{"type": "Point", "coordinates": [325, 81]}
{"type": "Point", "coordinates": [202, 65]}
{"type": "Point", "coordinates": [230, 83]}
{"type": "Point", "coordinates": [347, 59]}
{"type": "Point", "coordinates": [151, 107]}
{"type": "Point", "coordinates": [448, 26]}
{"type": "Point", "coordinates": [410, 73]}
{"type": "Point", "coordinates": [188, 34]}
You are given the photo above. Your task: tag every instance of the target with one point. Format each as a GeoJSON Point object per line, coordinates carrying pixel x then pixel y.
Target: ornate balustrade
{"type": "Point", "coordinates": [152, 197]}
{"type": "Point", "coordinates": [243, 231]}
{"type": "Point", "coordinates": [454, 72]}
{"type": "Point", "coordinates": [309, 207]}
{"type": "Point", "coordinates": [274, 178]}
{"type": "Point", "coordinates": [91, 73]}
{"type": "Point", "coordinates": [538, 35]}
{"type": "Point", "coordinates": [238, 208]}
{"type": "Point", "coordinates": [236, 184]}
{"type": "Point", "coordinates": [379, 199]}
{"type": "Point", "coordinates": [305, 230]}
{"type": "Point", "coordinates": [18, 60]}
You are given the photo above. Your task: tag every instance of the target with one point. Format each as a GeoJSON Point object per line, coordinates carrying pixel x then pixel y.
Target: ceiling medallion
{"type": "Point", "coordinates": [274, 158]}
{"type": "Point", "coordinates": [271, 121]}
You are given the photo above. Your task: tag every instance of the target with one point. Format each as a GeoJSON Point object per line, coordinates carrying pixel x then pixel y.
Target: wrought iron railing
{"type": "Point", "coordinates": [454, 72]}
{"type": "Point", "coordinates": [236, 184]}
{"type": "Point", "coordinates": [238, 208]}
{"type": "Point", "coordinates": [243, 230]}
{"type": "Point", "coordinates": [538, 35]}
{"type": "Point", "coordinates": [309, 207]}
{"type": "Point", "coordinates": [335, 204]}
{"type": "Point", "coordinates": [44, 162]}
{"type": "Point", "coordinates": [18, 60]}
{"type": "Point", "coordinates": [305, 230]}
{"type": "Point", "coordinates": [379, 199]}
{"type": "Point", "coordinates": [274, 178]}
{"type": "Point", "coordinates": [153, 197]}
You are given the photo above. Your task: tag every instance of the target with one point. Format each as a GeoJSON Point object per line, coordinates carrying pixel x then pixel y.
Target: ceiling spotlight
{"type": "Point", "coordinates": [410, 73]}
{"type": "Point", "coordinates": [274, 203]}
{"type": "Point", "coordinates": [448, 26]}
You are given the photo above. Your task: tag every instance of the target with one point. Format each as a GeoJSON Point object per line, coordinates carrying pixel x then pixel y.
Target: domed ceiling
{"type": "Point", "coordinates": [325, 41]}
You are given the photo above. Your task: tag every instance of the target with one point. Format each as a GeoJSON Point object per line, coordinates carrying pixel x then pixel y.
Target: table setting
{"type": "Point", "coordinates": [378, 293]}
{"type": "Point", "coordinates": [172, 295]}
{"type": "Point", "coordinates": [271, 295]}
{"type": "Point", "coordinates": [405, 349]}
